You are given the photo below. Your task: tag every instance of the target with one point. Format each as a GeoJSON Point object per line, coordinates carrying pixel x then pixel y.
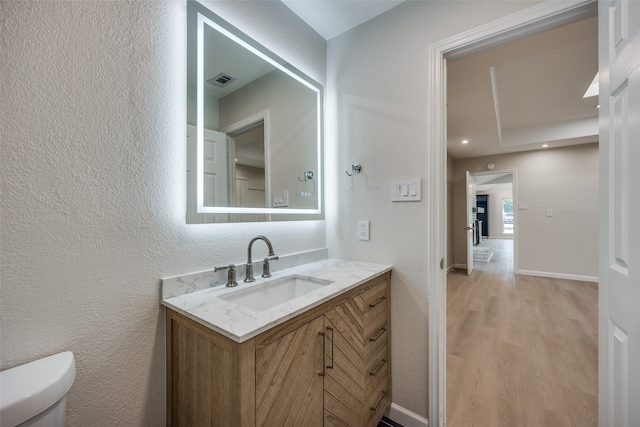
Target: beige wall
{"type": "Point", "coordinates": [93, 189]}
{"type": "Point", "coordinates": [562, 179]}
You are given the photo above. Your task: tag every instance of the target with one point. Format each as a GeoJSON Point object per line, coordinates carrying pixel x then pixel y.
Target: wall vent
{"type": "Point", "coordinates": [221, 80]}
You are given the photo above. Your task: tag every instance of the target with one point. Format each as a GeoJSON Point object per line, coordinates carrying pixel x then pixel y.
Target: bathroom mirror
{"type": "Point", "coordinates": [254, 129]}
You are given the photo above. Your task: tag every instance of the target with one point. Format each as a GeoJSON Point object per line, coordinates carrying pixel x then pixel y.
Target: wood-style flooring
{"type": "Point", "coordinates": [521, 350]}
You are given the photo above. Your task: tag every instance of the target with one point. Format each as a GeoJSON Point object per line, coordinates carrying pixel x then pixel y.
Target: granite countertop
{"type": "Point", "coordinates": [240, 323]}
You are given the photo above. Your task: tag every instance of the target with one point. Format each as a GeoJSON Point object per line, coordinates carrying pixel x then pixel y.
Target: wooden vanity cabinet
{"type": "Point", "coordinates": [328, 366]}
{"type": "Point", "coordinates": [357, 383]}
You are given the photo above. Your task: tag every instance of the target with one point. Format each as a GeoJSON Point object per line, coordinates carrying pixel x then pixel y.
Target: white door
{"type": "Point", "coordinates": [471, 219]}
{"type": "Point", "coordinates": [619, 289]}
{"type": "Point", "coordinates": [216, 174]}
{"type": "Point", "coordinates": [216, 169]}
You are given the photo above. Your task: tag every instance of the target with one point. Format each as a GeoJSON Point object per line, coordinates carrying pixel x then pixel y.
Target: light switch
{"type": "Point", "coordinates": [522, 205]}
{"type": "Point", "coordinates": [405, 190]}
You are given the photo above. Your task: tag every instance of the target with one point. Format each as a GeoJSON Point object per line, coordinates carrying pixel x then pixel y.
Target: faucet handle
{"type": "Point", "coordinates": [231, 276]}
{"type": "Point", "coordinates": [265, 266]}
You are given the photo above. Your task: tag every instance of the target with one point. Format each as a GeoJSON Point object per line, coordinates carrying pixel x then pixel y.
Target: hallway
{"type": "Point", "coordinates": [521, 350]}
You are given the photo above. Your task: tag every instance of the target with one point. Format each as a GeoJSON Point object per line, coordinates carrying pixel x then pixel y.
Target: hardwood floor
{"type": "Point", "coordinates": [521, 350]}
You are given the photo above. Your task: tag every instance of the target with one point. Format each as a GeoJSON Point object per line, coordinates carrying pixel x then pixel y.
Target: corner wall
{"type": "Point", "coordinates": [93, 199]}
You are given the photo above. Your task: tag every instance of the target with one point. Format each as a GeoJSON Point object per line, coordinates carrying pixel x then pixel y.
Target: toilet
{"type": "Point", "coordinates": [35, 394]}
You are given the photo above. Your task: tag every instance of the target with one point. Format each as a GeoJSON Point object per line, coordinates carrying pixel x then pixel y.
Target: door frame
{"type": "Point", "coordinates": [543, 16]}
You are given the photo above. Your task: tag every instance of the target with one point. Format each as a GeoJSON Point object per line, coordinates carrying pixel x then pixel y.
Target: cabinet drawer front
{"type": "Point", "coordinates": [381, 408]}
{"type": "Point", "coordinates": [375, 297]}
{"type": "Point", "coordinates": [378, 395]}
{"type": "Point", "coordinates": [374, 354]}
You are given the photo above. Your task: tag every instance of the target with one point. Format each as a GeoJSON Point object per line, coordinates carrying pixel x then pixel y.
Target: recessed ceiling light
{"type": "Point", "coordinates": [464, 141]}
{"type": "Point", "coordinates": [545, 145]}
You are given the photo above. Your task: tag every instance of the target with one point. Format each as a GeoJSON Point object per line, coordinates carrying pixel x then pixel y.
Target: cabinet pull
{"type": "Point", "coordinates": [322, 334]}
{"type": "Point", "coordinates": [382, 298]}
{"type": "Point", "coordinates": [384, 396]}
{"type": "Point", "coordinates": [380, 333]}
{"type": "Point", "coordinates": [382, 362]}
{"type": "Point", "coordinates": [332, 345]}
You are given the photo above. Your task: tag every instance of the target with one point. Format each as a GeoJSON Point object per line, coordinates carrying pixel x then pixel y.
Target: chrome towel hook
{"type": "Point", "coordinates": [355, 169]}
{"type": "Point", "coordinates": [307, 175]}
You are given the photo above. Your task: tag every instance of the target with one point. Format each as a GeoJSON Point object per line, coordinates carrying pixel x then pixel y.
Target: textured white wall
{"type": "Point", "coordinates": [563, 179]}
{"type": "Point", "coordinates": [377, 116]}
{"type": "Point", "coordinates": [93, 188]}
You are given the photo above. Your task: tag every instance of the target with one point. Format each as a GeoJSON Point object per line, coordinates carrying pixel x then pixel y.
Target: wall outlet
{"type": "Point", "coordinates": [363, 230]}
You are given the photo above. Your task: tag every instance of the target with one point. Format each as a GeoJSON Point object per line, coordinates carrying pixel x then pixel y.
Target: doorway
{"type": "Point", "coordinates": [493, 188]}
{"type": "Point", "coordinates": [532, 20]}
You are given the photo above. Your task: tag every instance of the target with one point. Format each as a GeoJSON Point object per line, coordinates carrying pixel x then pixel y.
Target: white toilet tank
{"type": "Point", "coordinates": [35, 394]}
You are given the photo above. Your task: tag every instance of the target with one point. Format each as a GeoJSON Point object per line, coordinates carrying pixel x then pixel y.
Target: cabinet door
{"type": "Point", "coordinates": [345, 394]}
{"type": "Point", "coordinates": [289, 386]}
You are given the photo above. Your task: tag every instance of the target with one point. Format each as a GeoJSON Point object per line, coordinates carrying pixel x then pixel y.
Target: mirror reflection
{"type": "Point", "coordinates": [253, 131]}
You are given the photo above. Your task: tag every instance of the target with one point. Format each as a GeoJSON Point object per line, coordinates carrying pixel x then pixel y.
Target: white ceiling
{"type": "Point", "coordinates": [331, 18]}
{"type": "Point", "coordinates": [523, 94]}
{"type": "Point", "coordinates": [513, 97]}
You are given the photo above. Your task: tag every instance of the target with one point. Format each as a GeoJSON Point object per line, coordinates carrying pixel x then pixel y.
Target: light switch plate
{"type": "Point", "coordinates": [405, 190]}
{"type": "Point", "coordinates": [280, 199]}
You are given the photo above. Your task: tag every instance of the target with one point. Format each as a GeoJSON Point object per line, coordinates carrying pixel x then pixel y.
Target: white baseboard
{"type": "Point", "coordinates": [450, 268]}
{"type": "Point", "coordinates": [406, 417]}
{"type": "Point", "coordinates": [462, 266]}
{"type": "Point", "coordinates": [558, 275]}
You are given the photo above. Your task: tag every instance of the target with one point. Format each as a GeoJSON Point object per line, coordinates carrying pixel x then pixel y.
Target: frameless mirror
{"type": "Point", "coordinates": [254, 129]}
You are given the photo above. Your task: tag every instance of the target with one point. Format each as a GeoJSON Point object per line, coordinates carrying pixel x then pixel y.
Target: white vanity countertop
{"type": "Point", "coordinates": [240, 323]}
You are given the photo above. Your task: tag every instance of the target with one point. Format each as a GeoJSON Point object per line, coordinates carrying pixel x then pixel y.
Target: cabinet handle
{"type": "Point", "coordinates": [322, 334]}
{"type": "Point", "coordinates": [382, 362]}
{"type": "Point", "coordinates": [382, 298]}
{"type": "Point", "coordinates": [332, 345]}
{"type": "Point", "coordinates": [380, 333]}
{"type": "Point", "coordinates": [384, 396]}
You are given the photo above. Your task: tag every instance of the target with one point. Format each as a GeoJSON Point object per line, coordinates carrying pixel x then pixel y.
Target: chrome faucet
{"type": "Point", "coordinates": [231, 275]}
{"type": "Point", "coordinates": [265, 272]}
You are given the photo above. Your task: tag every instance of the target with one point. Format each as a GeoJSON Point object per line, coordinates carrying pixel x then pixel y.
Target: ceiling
{"type": "Point", "coordinates": [523, 94]}
{"type": "Point", "coordinates": [331, 18]}
{"type": "Point", "coordinates": [517, 96]}
{"type": "Point", "coordinates": [494, 182]}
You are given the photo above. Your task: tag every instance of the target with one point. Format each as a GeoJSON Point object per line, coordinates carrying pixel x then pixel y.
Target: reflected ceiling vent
{"type": "Point", "coordinates": [221, 80]}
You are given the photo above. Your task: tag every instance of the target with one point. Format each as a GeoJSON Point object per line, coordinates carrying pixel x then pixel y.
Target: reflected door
{"type": "Point", "coordinates": [216, 174]}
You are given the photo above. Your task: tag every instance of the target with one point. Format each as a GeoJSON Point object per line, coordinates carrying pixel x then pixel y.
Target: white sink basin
{"type": "Point", "coordinates": [274, 292]}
